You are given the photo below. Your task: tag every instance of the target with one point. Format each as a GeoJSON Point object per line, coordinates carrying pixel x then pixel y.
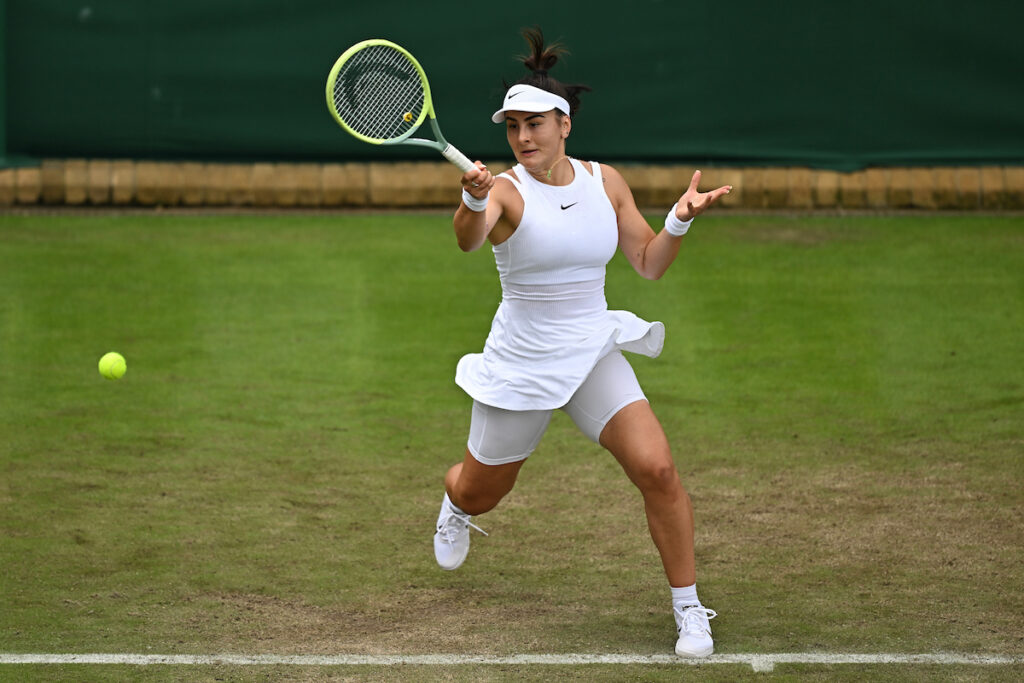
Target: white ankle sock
{"type": "Point", "coordinates": [455, 508]}
{"type": "Point", "coordinates": [687, 595]}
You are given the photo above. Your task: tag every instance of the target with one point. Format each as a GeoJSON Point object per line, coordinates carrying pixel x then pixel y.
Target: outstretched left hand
{"type": "Point", "coordinates": [694, 203]}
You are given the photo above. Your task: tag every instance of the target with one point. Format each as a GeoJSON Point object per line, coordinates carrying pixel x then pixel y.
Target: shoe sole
{"type": "Point", "coordinates": [697, 653]}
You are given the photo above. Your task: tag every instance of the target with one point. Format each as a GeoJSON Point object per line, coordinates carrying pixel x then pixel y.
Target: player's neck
{"type": "Point", "coordinates": [560, 172]}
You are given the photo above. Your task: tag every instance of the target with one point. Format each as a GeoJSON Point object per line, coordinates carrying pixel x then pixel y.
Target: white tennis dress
{"type": "Point", "coordinates": [553, 324]}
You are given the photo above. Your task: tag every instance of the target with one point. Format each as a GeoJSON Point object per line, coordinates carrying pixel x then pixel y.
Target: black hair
{"type": "Point", "coordinates": [539, 61]}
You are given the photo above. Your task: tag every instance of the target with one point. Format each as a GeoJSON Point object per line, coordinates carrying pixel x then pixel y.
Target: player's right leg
{"type": "Point", "coordinates": [499, 443]}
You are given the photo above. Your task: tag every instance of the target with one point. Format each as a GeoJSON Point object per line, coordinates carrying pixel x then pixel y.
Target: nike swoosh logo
{"type": "Point", "coordinates": [570, 206]}
{"type": "Point", "coordinates": [515, 94]}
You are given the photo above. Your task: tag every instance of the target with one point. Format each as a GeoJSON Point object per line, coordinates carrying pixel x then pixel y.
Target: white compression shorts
{"type": "Point", "coordinates": [498, 436]}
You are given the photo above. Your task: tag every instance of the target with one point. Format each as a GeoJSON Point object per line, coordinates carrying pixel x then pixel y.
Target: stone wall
{"type": "Point", "coordinates": [126, 183]}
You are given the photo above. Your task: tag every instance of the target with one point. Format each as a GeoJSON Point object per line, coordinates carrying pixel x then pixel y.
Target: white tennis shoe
{"type": "Point", "coordinates": [451, 541]}
{"type": "Point", "coordinates": [694, 630]}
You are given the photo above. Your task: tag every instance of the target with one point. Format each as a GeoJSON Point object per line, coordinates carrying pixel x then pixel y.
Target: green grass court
{"type": "Point", "coordinates": [843, 395]}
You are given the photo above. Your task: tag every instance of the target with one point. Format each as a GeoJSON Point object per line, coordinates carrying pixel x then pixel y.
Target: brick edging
{"type": "Point", "coordinates": [107, 182]}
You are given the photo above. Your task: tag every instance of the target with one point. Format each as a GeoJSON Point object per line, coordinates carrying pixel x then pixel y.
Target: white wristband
{"type": "Point", "coordinates": [472, 203]}
{"type": "Point", "coordinates": [673, 225]}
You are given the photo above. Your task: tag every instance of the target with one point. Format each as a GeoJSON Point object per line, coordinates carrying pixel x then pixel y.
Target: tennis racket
{"type": "Point", "coordinates": [379, 93]}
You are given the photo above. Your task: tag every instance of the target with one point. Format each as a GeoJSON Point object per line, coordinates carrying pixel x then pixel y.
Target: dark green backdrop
{"type": "Point", "coordinates": [837, 85]}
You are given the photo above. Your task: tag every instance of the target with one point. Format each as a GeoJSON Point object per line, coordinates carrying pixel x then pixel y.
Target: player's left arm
{"type": "Point", "coordinates": [648, 252]}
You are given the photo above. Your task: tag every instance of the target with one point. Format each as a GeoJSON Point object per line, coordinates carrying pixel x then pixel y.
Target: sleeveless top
{"type": "Point", "coordinates": [553, 324]}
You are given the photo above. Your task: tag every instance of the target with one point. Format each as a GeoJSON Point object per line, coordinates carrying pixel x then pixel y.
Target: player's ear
{"type": "Point", "coordinates": [566, 126]}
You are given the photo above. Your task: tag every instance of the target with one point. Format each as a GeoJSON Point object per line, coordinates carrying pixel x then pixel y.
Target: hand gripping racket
{"type": "Point", "coordinates": [379, 93]}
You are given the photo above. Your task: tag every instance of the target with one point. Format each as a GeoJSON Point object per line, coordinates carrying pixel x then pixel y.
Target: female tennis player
{"type": "Point", "coordinates": [554, 222]}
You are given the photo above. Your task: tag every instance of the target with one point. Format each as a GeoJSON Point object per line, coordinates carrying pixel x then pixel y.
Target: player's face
{"type": "Point", "coordinates": [537, 140]}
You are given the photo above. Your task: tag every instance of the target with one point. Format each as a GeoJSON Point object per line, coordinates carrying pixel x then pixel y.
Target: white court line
{"type": "Point", "coordinates": [759, 662]}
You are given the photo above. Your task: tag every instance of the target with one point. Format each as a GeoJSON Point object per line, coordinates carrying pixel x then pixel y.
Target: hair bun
{"type": "Point", "coordinates": [541, 59]}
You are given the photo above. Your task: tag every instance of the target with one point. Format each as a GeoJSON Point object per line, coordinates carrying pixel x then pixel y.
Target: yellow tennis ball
{"type": "Point", "coordinates": [113, 365]}
{"type": "Point", "coordinates": [407, 116]}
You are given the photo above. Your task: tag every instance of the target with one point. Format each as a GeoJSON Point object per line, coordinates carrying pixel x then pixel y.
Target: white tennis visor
{"type": "Point", "coordinates": [524, 97]}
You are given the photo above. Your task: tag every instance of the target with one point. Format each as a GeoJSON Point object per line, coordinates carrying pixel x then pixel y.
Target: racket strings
{"type": "Point", "coordinates": [378, 93]}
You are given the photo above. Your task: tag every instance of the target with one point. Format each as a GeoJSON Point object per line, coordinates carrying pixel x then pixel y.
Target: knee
{"type": "Point", "coordinates": [477, 488]}
{"type": "Point", "coordinates": [476, 502]}
{"type": "Point", "coordinates": [660, 477]}
{"type": "Point", "coordinates": [475, 496]}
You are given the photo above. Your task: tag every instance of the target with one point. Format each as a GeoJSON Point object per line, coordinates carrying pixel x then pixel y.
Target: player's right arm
{"type": "Point", "coordinates": [473, 227]}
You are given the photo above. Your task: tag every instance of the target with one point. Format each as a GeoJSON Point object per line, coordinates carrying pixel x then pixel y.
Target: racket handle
{"type": "Point", "coordinates": [458, 158]}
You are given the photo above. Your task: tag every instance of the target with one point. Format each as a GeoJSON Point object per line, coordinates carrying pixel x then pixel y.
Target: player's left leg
{"type": "Point", "coordinates": [611, 409]}
{"type": "Point", "coordinates": [635, 437]}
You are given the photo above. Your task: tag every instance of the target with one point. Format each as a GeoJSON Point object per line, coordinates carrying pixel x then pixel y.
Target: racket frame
{"type": "Point", "coordinates": [440, 144]}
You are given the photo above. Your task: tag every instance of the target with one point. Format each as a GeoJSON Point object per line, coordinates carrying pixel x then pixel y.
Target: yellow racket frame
{"type": "Point", "coordinates": [440, 144]}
